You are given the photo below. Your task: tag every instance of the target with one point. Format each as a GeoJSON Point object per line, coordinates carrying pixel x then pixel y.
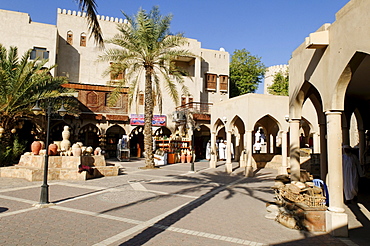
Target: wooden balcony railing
{"type": "Point", "coordinates": [196, 107]}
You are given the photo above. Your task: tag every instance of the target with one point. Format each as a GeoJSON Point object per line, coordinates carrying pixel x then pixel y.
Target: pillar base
{"type": "Point", "coordinates": [212, 164]}
{"type": "Point", "coordinates": [229, 167]}
{"type": "Point", "coordinates": [282, 170]}
{"type": "Point", "coordinates": [242, 163]}
{"type": "Point", "coordinates": [249, 171]}
{"type": "Point", "coordinates": [337, 224]}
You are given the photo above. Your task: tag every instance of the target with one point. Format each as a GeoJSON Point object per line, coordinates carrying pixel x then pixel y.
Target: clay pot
{"type": "Point", "coordinates": [182, 158]}
{"type": "Point", "coordinates": [188, 158]}
{"type": "Point", "coordinates": [53, 149]}
{"type": "Point", "coordinates": [76, 150]}
{"type": "Point", "coordinates": [65, 144]}
{"type": "Point", "coordinates": [35, 147]}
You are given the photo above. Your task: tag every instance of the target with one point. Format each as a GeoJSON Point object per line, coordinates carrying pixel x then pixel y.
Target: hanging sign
{"type": "Point", "coordinates": [138, 120]}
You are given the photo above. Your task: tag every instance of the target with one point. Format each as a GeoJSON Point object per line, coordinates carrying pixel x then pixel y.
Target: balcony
{"type": "Point", "coordinates": [200, 111]}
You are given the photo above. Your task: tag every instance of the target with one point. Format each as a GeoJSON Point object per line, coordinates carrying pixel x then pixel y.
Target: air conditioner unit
{"type": "Point", "coordinates": [178, 116]}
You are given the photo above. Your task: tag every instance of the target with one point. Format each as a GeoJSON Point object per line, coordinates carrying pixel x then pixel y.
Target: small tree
{"type": "Point", "coordinates": [246, 72]}
{"type": "Point", "coordinates": [280, 85]}
{"type": "Point", "coordinates": [22, 83]}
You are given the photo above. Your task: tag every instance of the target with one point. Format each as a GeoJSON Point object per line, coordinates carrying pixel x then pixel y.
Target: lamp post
{"type": "Point", "coordinates": [44, 196]}
{"type": "Point", "coordinates": [192, 168]}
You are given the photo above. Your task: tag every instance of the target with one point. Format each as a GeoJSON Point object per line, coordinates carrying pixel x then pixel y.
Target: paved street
{"type": "Point", "coordinates": [165, 206]}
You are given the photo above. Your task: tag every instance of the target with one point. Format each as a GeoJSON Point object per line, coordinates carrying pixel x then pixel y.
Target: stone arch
{"type": "Point", "coordinates": [89, 135]}
{"type": "Point", "coordinates": [137, 141]}
{"type": "Point", "coordinates": [270, 128]}
{"type": "Point", "coordinates": [237, 136]}
{"type": "Point", "coordinates": [162, 131]}
{"type": "Point", "coordinates": [345, 78]}
{"type": "Point", "coordinates": [56, 131]}
{"type": "Point", "coordinates": [219, 129]}
{"type": "Point", "coordinates": [202, 134]}
{"type": "Point", "coordinates": [113, 135]}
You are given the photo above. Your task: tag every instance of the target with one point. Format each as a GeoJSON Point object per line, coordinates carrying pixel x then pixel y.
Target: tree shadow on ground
{"type": "Point", "coordinates": [215, 183]}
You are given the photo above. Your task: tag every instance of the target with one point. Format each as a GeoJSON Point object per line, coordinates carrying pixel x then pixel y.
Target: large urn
{"type": "Point", "coordinates": [36, 147]}
{"type": "Point", "coordinates": [65, 144]}
{"type": "Point", "coordinates": [188, 158]}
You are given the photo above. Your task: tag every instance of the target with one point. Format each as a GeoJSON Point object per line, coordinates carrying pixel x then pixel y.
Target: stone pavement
{"type": "Point", "coordinates": [165, 206]}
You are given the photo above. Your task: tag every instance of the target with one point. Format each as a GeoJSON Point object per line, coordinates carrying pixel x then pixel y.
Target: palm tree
{"type": "Point", "coordinates": [146, 49]}
{"type": "Point", "coordinates": [93, 23]}
{"type": "Point", "coordinates": [22, 83]}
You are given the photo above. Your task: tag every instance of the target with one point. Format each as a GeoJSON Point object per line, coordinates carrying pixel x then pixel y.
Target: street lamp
{"type": "Point", "coordinates": [44, 196]}
{"type": "Point", "coordinates": [193, 149]}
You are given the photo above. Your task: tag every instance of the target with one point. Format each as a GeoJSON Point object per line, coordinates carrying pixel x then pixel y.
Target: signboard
{"type": "Point", "coordinates": [138, 120]}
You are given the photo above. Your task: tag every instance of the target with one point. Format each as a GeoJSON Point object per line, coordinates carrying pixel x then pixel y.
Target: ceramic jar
{"type": "Point", "coordinates": [65, 144]}
{"type": "Point", "coordinates": [188, 158]}
{"type": "Point", "coordinates": [53, 149]}
{"type": "Point", "coordinates": [76, 150]}
{"type": "Point", "coordinates": [36, 147]}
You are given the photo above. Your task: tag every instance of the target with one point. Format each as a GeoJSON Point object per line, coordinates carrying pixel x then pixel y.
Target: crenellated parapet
{"type": "Point", "coordinates": [83, 15]}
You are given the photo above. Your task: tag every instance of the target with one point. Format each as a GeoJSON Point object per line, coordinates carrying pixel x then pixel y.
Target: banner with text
{"type": "Point", "coordinates": [138, 120]}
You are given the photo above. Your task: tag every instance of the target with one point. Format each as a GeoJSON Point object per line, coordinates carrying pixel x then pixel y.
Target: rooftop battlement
{"type": "Point", "coordinates": [83, 14]}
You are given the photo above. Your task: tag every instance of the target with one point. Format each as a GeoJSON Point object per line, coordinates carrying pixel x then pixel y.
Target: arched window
{"type": "Point", "coordinates": [70, 37]}
{"type": "Point", "coordinates": [83, 40]}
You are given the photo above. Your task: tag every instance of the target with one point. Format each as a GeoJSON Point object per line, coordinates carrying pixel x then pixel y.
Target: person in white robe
{"type": "Point", "coordinates": [208, 150]}
{"type": "Point", "coordinates": [222, 150]}
{"type": "Point", "coordinates": [351, 173]}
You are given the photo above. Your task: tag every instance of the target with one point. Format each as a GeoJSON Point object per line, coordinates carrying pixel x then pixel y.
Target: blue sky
{"type": "Point", "coordinates": [270, 29]}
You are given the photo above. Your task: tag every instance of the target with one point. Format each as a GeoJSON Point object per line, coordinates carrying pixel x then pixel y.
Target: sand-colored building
{"type": "Point", "coordinates": [68, 45]}
{"type": "Point", "coordinates": [331, 70]}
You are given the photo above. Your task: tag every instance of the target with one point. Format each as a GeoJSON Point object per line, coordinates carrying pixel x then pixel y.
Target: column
{"type": "Point", "coordinates": [229, 166]}
{"type": "Point", "coordinates": [323, 152]}
{"type": "Point", "coordinates": [248, 154]}
{"type": "Point", "coordinates": [316, 143]}
{"type": "Point", "coordinates": [284, 153]}
{"type": "Point", "coordinates": [272, 144]}
{"type": "Point", "coordinates": [213, 161]}
{"type": "Point", "coordinates": [337, 220]}
{"type": "Point", "coordinates": [237, 148]}
{"type": "Point", "coordinates": [295, 166]}
{"type": "Point", "coordinates": [242, 149]}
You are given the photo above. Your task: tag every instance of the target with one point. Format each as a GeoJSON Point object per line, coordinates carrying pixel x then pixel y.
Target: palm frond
{"type": "Point", "coordinates": [92, 20]}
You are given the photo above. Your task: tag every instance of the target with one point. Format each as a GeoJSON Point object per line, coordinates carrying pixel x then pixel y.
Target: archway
{"type": "Point", "coordinates": [89, 135]}
{"type": "Point", "coordinates": [114, 134]}
{"type": "Point", "coordinates": [266, 131]}
{"type": "Point", "coordinates": [137, 142]}
{"type": "Point", "coordinates": [201, 137]}
{"type": "Point", "coordinates": [237, 137]}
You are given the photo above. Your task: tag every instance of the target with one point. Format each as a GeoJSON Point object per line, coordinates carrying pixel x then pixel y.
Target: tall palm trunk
{"type": "Point", "coordinates": [148, 117]}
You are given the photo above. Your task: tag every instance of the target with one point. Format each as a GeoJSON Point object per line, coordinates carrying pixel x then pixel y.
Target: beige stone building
{"type": "Point", "coordinates": [67, 44]}
{"type": "Point", "coordinates": [331, 69]}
